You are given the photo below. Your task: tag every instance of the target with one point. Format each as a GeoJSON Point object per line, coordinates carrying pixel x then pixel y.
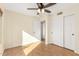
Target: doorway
{"type": "Point", "coordinates": [43, 31]}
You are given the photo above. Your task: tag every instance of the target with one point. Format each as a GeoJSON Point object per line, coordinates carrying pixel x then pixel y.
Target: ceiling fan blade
{"type": "Point", "coordinates": [48, 5]}
{"type": "Point", "coordinates": [47, 11]}
{"type": "Point", "coordinates": [32, 8]}
{"type": "Point", "coordinates": [38, 4]}
{"type": "Point", "coordinates": [41, 5]}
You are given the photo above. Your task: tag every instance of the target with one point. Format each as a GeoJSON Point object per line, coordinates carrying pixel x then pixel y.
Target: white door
{"type": "Point", "coordinates": [37, 29]}
{"type": "Point", "coordinates": [57, 30]}
{"type": "Point", "coordinates": [69, 32]}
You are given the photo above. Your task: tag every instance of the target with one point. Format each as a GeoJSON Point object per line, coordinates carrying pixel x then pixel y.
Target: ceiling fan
{"type": "Point", "coordinates": [41, 8]}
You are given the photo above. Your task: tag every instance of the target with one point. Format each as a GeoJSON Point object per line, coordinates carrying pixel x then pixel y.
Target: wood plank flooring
{"type": "Point", "coordinates": [39, 49]}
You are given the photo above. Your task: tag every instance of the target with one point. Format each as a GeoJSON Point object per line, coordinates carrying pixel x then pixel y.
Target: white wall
{"type": "Point", "coordinates": [1, 44]}
{"type": "Point", "coordinates": [0, 29]}
{"type": "Point", "coordinates": [18, 29]}
{"type": "Point", "coordinates": [37, 29]}
{"type": "Point", "coordinates": [67, 9]}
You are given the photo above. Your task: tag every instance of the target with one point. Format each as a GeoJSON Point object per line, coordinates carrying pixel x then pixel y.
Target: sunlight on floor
{"type": "Point", "coordinates": [28, 39]}
{"type": "Point", "coordinates": [30, 48]}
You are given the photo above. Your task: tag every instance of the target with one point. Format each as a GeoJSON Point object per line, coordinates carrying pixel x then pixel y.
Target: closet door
{"type": "Point", "coordinates": [69, 32]}
{"type": "Point", "coordinates": [58, 30]}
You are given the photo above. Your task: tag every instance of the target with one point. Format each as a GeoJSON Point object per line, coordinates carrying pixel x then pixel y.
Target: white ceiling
{"type": "Point", "coordinates": [22, 8]}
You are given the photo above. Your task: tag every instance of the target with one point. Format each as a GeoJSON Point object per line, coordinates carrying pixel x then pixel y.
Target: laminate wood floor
{"type": "Point", "coordinates": [39, 49]}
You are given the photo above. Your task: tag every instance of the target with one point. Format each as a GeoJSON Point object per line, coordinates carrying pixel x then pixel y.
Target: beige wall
{"type": "Point", "coordinates": [1, 30]}
{"type": "Point", "coordinates": [67, 9]}
{"type": "Point", "coordinates": [14, 25]}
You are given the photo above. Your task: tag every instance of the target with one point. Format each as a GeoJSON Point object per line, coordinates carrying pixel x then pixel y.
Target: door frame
{"type": "Point", "coordinates": [42, 22]}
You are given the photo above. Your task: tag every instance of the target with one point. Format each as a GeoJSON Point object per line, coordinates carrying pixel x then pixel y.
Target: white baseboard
{"type": "Point", "coordinates": [1, 49]}
{"type": "Point", "coordinates": [1, 52]}
{"type": "Point", "coordinates": [50, 42]}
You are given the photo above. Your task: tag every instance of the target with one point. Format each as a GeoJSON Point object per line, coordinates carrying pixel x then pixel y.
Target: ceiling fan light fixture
{"type": "Point", "coordinates": [40, 10]}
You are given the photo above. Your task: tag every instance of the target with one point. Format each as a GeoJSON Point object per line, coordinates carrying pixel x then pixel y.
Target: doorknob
{"type": "Point", "coordinates": [72, 34]}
